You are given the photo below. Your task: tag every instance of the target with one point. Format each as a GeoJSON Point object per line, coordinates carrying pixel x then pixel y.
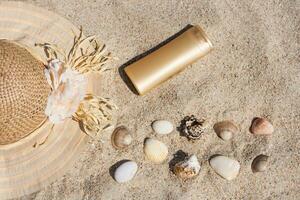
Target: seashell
{"type": "Point", "coordinates": [121, 138]}
{"type": "Point", "coordinates": [193, 128]}
{"type": "Point", "coordinates": [125, 172]}
{"type": "Point", "coordinates": [227, 168]}
{"type": "Point", "coordinates": [188, 168]}
{"type": "Point", "coordinates": [155, 150]}
{"type": "Point", "coordinates": [162, 127]}
{"type": "Point", "coordinates": [225, 129]}
{"type": "Point", "coordinates": [261, 126]}
{"type": "Point", "coordinates": [260, 163]}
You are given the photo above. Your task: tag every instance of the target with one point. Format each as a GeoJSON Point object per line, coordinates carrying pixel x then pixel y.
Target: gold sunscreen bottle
{"type": "Point", "coordinates": [168, 60]}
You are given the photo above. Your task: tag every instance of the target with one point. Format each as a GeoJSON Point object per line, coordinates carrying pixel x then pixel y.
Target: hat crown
{"type": "Point", "coordinates": [23, 92]}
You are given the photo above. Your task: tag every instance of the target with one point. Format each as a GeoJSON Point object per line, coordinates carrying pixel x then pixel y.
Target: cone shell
{"type": "Point", "coordinates": [225, 129]}
{"type": "Point", "coordinates": [188, 168]}
{"type": "Point", "coordinates": [261, 126]}
{"type": "Point", "coordinates": [121, 138]}
{"type": "Point", "coordinates": [260, 163]}
{"type": "Point", "coordinates": [155, 150]}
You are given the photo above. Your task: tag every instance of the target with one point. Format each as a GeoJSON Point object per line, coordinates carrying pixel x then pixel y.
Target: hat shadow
{"type": "Point", "coordinates": [121, 69]}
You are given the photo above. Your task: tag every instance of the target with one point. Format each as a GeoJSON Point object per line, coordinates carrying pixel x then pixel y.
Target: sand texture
{"type": "Point", "coordinates": [253, 71]}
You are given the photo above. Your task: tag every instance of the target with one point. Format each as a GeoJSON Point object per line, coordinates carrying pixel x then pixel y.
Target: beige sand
{"type": "Point", "coordinates": [253, 71]}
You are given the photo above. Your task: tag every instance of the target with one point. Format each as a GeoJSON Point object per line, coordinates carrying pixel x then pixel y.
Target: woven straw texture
{"type": "Point", "coordinates": [23, 90]}
{"type": "Point", "coordinates": [23, 168]}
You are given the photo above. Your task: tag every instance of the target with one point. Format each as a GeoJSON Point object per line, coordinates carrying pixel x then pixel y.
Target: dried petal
{"type": "Point", "coordinates": [53, 73]}
{"type": "Point", "coordinates": [94, 113]}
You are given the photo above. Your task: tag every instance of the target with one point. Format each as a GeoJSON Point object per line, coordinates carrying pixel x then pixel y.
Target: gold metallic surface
{"type": "Point", "coordinates": [168, 60]}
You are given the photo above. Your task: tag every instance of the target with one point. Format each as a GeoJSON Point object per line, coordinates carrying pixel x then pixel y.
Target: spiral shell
{"type": "Point", "coordinates": [188, 168]}
{"type": "Point", "coordinates": [193, 128]}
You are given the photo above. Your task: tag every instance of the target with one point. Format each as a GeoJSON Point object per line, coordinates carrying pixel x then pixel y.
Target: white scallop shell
{"type": "Point", "coordinates": [125, 172]}
{"type": "Point", "coordinates": [155, 150]}
{"type": "Point", "coordinates": [227, 168]}
{"type": "Point", "coordinates": [162, 127]}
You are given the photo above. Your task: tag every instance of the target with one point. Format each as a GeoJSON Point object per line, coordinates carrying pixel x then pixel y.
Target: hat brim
{"type": "Point", "coordinates": [25, 169]}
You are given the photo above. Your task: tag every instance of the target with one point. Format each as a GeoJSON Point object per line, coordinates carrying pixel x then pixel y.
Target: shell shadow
{"type": "Point", "coordinates": [80, 124]}
{"type": "Point", "coordinates": [113, 168]}
{"type": "Point", "coordinates": [213, 156]}
{"type": "Point", "coordinates": [177, 157]}
{"type": "Point", "coordinates": [145, 140]}
{"type": "Point", "coordinates": [255, 118]}
{"type": "Point", "coordinates": [181, 127]}
{"type": "Point", "coordinates": [121, 69]}
{"type": "Point", "coordinates": [215, 127]}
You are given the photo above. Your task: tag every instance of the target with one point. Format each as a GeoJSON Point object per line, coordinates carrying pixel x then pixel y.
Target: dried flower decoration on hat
{"type": "Point", "coordinates": [68, 90]}
{"type": "Point", "coordinates": [68, 81]}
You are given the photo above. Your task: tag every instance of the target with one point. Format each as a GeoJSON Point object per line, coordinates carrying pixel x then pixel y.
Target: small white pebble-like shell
{"type": "Point", "coordinates": [125, 172]}
{"type": "Point", "coordinates": [162, 127]}
{"type": "Point", "coordinates": [261, 126]}
{"type": "Point", "coordinates": [227, 168]}
{"type": "Point", "coordinates": [155, 150]}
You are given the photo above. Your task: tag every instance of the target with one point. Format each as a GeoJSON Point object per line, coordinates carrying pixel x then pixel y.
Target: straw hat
{"type": "Point", "coordinates": [34, 151]}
